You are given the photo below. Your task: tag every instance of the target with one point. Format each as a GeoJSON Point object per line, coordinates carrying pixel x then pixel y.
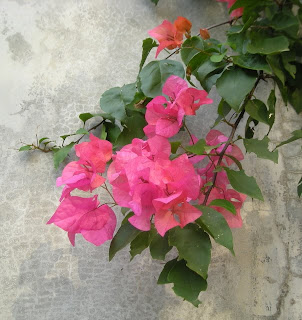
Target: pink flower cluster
{"type": "Point", "coordinates": [144, 178]}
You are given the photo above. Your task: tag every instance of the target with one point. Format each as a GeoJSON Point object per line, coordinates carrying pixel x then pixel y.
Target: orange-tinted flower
{"type": "Point", "coordinates": [204, 33]}
{"type": "Point", "coordinates": [170, 35]}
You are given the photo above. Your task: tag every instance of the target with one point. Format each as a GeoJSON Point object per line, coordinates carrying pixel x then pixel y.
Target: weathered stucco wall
{"type": "Point", "coordinates": [57, 58]}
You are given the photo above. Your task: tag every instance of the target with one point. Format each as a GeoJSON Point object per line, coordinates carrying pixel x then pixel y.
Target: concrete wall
{"type": "Point", "coordinates": [57, 58]}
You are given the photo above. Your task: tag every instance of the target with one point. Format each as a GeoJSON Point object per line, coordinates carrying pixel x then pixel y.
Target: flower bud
{"type": "Point", "coordinates": [204, 33]}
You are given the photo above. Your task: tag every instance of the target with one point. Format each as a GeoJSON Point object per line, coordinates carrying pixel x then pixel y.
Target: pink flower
{"type": "Point", "coordinates": [165, 117]}
{"type": "Point", "coordinates": [84, 215]}
{"type": "Point", "coordinates": [169, 207]}
{"type": "Point", "coordinates": [170, 35]}
{"type": "Point", "coordinates": [76, 175]}
{"type": "Point", "coordinates": [235, 13]}
{"type": "Point", "coordinates": [96, 152]}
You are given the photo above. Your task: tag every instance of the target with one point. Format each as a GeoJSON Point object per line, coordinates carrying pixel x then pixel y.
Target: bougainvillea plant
{"type": "Point", "coordinates": [171, 193]}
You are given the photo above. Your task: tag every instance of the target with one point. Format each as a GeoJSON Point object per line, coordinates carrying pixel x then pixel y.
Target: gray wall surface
{"type": "Point", "coordinates": [57, 58]}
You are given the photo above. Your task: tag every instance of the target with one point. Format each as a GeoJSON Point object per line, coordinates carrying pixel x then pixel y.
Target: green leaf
{"type": "Point", "coordinates": [266, 44]}
{"type": "Point", "coordinates": [65, 136]}
{"type": "Point", "coordinates": [25, 148]}
{"type": "Point", "coordinates": [250, 131]}
{"type": "Point", "coordinates": [85, 116]}
{"type": "Point", "coordinates": [271, 102]}
{"type": "Point", "coordinates": [243, 183]}
{"type": "Point", "coordinates": [141, 242]}
{"type": "Point", "coordinates": [211, 80]}
{"type": "Point", "coordinates": [43, 139]}
{"type": "Point", "coordinates": [260, 148]}
{"type": "Point", "coordinates": [297, 134]}
{"type": "Point", "coordinates": [133, 128]}
{"type": "Point", "coordinates": [217, 57]}
{"type": "Point", "coordinates": [215, 224]}
{"type": "Point", "coordinates": [188, 50]}
{"type": "Point", "coordinates": [148, 45]}
{"type": "Point", "coordinates": [154, 75]}
{"type": "Point", "coordinates": [159, 247]}
{"type": "Point", "coordinates": [288, 57]}
{"type": "Point", "coordinates": [274, 62]}
{"type": "Point", "coordinates": [60, 154]}
{"type": "Point", "coordinates": [124, 210]}
{"type": "Point", "coordinates": [287, 22]}
{"type": "Point", "coordinates": [81, 131]}
{"type": "Point", "coordinates": [258, 111]}
{"type": "Point", "coordinates": [187, 283]}
{"type": "Point", "coordinates": [223, 110]}
{"type": "Point", "coordinates": [193, 245]}
{"type": "Point", "coordinates": [113, 131]}
{"type": "Point", "coordinates": [103, 134]}
{"type": "Point", "coordinates": [174, 146]}
{"type": "Point", "coordinates": [235, 84]}
{"type": "Point", "coordinates": [198, 147]}
{"type": "Point", "coordinates": [224, 204]}
{"type": "Point", "coordinates": [299, 188]}
{"type": "Point", "coordinates": [163, 277]}
{"type": "Point", "coordinates": [122, 238]}
{"type": "Point", "coordinates": [155, 2]}
{"type": "Point", "coordinates": [115, 100]}
{"type": "Point", "coordinates": [252, 62]}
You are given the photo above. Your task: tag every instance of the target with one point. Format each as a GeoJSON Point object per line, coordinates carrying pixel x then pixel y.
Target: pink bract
{"type": "Point", "coordinates": [84, 215]}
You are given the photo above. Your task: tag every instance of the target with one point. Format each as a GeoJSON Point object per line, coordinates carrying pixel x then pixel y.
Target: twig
{"type": "Point", "coordinates": [221, 154]}
{"type": "Point", "coordinates": [96, 126]}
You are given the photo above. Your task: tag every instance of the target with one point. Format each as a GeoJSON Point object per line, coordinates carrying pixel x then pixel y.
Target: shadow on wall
{"type": "Point", "coordinates": [106, 291]}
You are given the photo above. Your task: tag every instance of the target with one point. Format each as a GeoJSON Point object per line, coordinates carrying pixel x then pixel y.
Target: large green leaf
{"type": "Point", "coordinates": [215, 224]}
{"type": "Point", "coordinates": [122, 238]}
{"type": "Point", "coordinates": [297, 134]}
{"type": "Point", "coordinates": [260, 148]}
{"type": "Point", "coordinates": [159, 247]}
{"type": "Point", "coordinates": [264, 43]}
{"type": "Point", "coordinates": [287, 22]}
{"type": "Point", "coordinates": [190, 48]}
{"type": "Point", "coordinates": [187, 283]}
{"type": "Point", "coordinates": [154, 75]}
{"type": "Point", "coordinates": [252, 62]}
{"type": "Point", "coordinates": [243, 183]}
{"type": "Point", "coordinates": [193, 245]}
{"type": "Point", "coordinates": [235, 84]}
{"type": "Point", "coordinates": [148, 45]}
{"type": "Point", "coordinates": [258, 111]}
{"type": "Point", "coordinates": [60, 154]}
{"type": "Point", "coordinates": [115, 100]}
{"type": "Point", "coordinates": [198, 147]}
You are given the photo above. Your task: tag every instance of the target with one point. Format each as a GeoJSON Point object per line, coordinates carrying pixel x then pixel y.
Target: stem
{"type": "Point", "coordinates": [208, 28]}
{"type": "Point", "coordinates": [235, 126]}
{"type": "Point", "coordinates": [189, 133]}
{"type": "Point", "coordinates": [106, 188]}
{"type": "Point", "coordinates": [94, 127]}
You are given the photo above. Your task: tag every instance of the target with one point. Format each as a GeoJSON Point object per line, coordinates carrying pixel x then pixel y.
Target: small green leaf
{"type": "Point", "coordinates": [297, 134]}
{"type": "Point", "coordinates": [258, 111]}
{"type": "Point", "coordinates": [217, 57]}
{"type": "Point", "coordinates": [25, 148]}
{"type": "Point", "coordinates": [133, 128]}
{"type": "Point", "coordinates": [250, 131]}
{"type": "Point", "coordinates": [113, 131]}
{"type": "Point", "coordinates": [155, 2]}
{"type": "Point", "coordinates": [197, 148]}
{"type": "Point", "coordinates": [243, 183]}
{"type": "Point", "coordinates": [64, 136]}
{"type": "Point", "coordinates": [299, 188]}
{"type": "Point", "coordinates": [271, 102]}
{"type": "Point", "coordinates": [193, 245]}
{"type": "Point", "coordinates": [115, 100]}
{"type": "Point", "coordinates": [260, 148]}
{"type": "Point", "coordinates": [235, 84]}
{"type": "Point", "coordinates": [122, 238]}
{"type": "Point", "coordinates": [85, 116]}
{"type": "Point", "coordinates": [141, 242]}
{"type": "Point", "coordinates": [215, 224]}
{"type": "Point", "coordinates": [124, 210]}
{"type": "Point", "coordinates": [187, 283]}
{"type": "Point", "coordinates": [103, 135]}
{"type": "Point", "coordinates": [163, 277]}
{"type": "Point", "coordinates": [159, 247]}
{"type": "Point", "coordinates": [43, 139]}
{"type": "Point", "coordinates": [252, 62]}
{"type": "Point", "coordinates": [155, 73]}
{"type": "Point", "coordinates": [224, 204]}
{"type": "Point", "coordinates": [60, 154]}
{"type": "Point", "coordinates": [148, 45]}
{"type": "Point", "coordinates": [82, 131]}
{"type": "Point", "coordinates": [174, 146]}
{"type": "Point", "coordinates": [190, 48]}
